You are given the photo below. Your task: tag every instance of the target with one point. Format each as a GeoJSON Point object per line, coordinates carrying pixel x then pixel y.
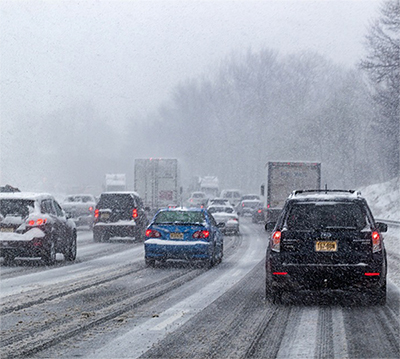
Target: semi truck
{"type": "Point", "coordinates": [210, 186]}
{"type": "Point", "coordinates": [115, 182]}
{"type": "Point", "coordinates": [282, 178]}
{"type": "Point", "coordinates": [156, 180]}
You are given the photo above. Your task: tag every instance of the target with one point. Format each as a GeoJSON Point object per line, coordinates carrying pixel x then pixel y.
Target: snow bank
{"type": "Point", "coordinates": [384, 199]}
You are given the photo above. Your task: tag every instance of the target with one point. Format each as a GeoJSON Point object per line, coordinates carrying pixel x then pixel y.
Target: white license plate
{"type": "Point", "coordinates": [326, 246]}
{"type": "Point", "coordinates": [175, 235]}
{"type": "Point", "coordinates": [105, 215]}
{"type": "Point", "coordinates": [6, 229]}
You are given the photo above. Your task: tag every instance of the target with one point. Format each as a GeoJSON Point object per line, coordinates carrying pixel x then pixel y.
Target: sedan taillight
{"type": "Point", "coordinates": [201, 234]}
{"type": "Point", "coordinates": [135, 213]}
{"type": "Point", "coordinates": [151, 233]}
{"type": "Point", "coordinates": [96, 213]}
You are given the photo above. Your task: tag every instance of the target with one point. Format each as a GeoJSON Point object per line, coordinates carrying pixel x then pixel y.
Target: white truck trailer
{"type": "Point", "coordinates": [156, 180]}
{"type": "Point", "coordinates": [210, 186]}
{"type": "Point", "coordinates": [282, 179]}
{"type": "Point", "coordinates": [115, 182]}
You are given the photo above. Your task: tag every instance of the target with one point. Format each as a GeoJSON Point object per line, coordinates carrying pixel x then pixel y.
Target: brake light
{"type": "Point", "coordinates": [268, 206]}
{"type": "Point", "coordinates": [38, 222]}
{"type": "Point", "coordinates": [369, 274]}
{"type": "Point", "coordinates": [276, 241]}
{"type": "Point", "coordinates": [376, 242]}
{"type": "Point", "coordinates": [259, 211]}
{"type": "Point", "coordinates": [134, 213]}
{"type": "Point", "coordinates": [96, 213]}
{"type": "Point", "coordinates": [201, 234]}
{"type": "Point", "coordinates": [90, 209]}
{"type": "Point", "coordinates": [279, 273]}
{"type": "Point", "coordinates": [151, 233]}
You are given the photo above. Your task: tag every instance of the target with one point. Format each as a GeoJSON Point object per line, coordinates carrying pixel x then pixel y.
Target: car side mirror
{"type": "Point", "coordinates": [269, 226]}
{"type": "Point", "coordinates": [382, 227]}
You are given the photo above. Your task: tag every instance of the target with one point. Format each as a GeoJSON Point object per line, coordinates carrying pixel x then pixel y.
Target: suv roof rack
{"type": "Point", "coordinates": [350, 191]}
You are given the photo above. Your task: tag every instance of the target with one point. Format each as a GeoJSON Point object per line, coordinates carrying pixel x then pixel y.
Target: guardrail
{"type": "Point", "coordinates": [389, 221]}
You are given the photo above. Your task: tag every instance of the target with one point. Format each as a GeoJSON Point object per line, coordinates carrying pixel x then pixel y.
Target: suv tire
{"type": "Point", "coordinates": [70, 253]}
{"type": "Point", "coordinates": [150, 262]}
{"type": "Point", "coordinates": [49, 256]}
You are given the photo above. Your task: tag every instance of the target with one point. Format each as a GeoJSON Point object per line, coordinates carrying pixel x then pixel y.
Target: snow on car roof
{"type": "Point", "coordinates": [25, 195]}
{"type": "Point", "coordinates": [325, 195]}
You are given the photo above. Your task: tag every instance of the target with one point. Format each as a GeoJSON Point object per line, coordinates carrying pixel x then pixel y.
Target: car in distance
{"type": "Point", "coordinates": [250, 196]}
{"type": "Point", "coordinates": [197, 199]}
{"type": "Point", "coordinates": [227, 216]}
{"type": "Point", "coordinates": [233, 195]}
{"type": "Point", "coordinates": [258, 215]}
{"type": "Point", "coordinates": [247, 207]}
{"type": "Point", "coordinates": [219, 201]}
{"type": "Point", "coordinates": [327, 240]}
{"type": "Point", "coordinates": [119, 215]}
{"type": "Point", "coordinates": [80, 208]}
{"type": "Point", "coordinates": [180, 233]}
{"type": "Point", "coordinates": [34, 225]}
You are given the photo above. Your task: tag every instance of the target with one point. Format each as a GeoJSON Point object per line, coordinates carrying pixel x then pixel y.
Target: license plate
{"type": "Point", "coordinates": [326, 246]}
{"type": "Point", "coordinates": [6, 229]}
{"type": "Point", "coordinates": [105, 215]}
{"type": "Point", "coordinates": [176, 235]}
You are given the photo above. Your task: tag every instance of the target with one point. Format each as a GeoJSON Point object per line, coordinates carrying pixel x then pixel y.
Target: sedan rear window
{"type": "Point", "coordinates": [179, 217]}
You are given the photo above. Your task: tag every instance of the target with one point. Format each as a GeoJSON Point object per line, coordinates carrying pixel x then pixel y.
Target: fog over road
{"type": "Point", "coordinates": [108, 304]}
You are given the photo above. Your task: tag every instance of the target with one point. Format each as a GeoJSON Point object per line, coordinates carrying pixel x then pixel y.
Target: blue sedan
{"type": "Point", "coordinates": [179, 233]}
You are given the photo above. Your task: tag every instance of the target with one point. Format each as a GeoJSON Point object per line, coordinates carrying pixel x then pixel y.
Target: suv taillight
{"type": "Point", "coordinates": [376, 242]}
{"type": "Point", "coordinates": [37, 222]}
{"type": "Point", "coordinates": [96, 213]}
{"type": "Point", "coordinates": [276, 241]}
{"type": "Point", "coordinates": [134, 213]}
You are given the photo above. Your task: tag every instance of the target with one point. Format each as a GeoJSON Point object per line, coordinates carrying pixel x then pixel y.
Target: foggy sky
{"type": "Point", "coordinates": [125, 57]}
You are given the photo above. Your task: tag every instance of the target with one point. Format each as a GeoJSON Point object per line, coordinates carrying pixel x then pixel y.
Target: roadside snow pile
{"type": "Point", "coordinates": [384, 199]}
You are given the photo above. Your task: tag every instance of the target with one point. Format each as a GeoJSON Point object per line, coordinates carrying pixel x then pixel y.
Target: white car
{"type": "Point", "coordinates": [219, 201]}
{"type": "Point", "coordinates": [226, 215]}
{"type": "Point", "coordinates": [197, 199]}
{"type": "Point", "coordinates": [80, 208]}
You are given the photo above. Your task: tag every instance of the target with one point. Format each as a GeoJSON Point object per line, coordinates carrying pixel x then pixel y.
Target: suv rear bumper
{"type": "Point", "coordinates": [314, 277]}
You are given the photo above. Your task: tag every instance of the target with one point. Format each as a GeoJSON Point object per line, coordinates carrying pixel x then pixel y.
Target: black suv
{"type": "Point", "coordinates": [327, 239]}
{"type": "Point", "coordinates": [34, 225]}
{"type": "Point", "coordinates": [119, 214]}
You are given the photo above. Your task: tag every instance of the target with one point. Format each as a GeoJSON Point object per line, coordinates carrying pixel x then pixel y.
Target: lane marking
{"type": "Point", "coordinates": [340, 348]}
{"type": "Point", "coordinates": [168, 321]}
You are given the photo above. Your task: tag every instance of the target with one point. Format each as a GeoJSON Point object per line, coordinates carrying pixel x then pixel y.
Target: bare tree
{"type": "Point", "coordinates": [382, 65]}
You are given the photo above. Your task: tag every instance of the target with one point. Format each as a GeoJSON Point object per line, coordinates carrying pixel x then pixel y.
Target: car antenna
{"type": "Point", "coordinates": [326, 188]}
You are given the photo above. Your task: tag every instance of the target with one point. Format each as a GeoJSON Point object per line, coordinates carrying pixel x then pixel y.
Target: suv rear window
{"type": "Point", "coordinates": [116, 200]}
{"type": "Point", "coordinates": [315, 215]}
{"type": "Point", "coordinates": [16, 207]}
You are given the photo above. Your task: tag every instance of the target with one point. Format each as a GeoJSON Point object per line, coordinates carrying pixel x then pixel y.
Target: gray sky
{"type": "Point", "coordinates": [124, 57]}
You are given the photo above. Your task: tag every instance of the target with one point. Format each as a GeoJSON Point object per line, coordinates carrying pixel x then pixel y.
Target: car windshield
{"type": "Point", "coordinates": [303, 216]}
{"type": "Point", "coordinates": [16, 207]}
{"type": "Point", "coordinates": [179, 217]}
